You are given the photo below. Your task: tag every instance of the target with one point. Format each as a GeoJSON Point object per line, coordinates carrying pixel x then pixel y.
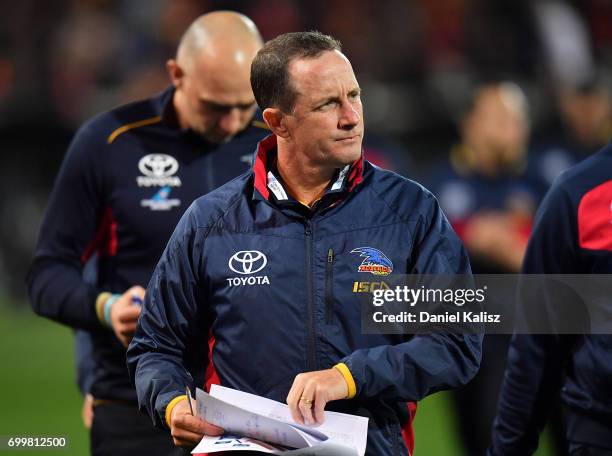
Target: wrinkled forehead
{"type": "Point", "coordinates": [329, 73]}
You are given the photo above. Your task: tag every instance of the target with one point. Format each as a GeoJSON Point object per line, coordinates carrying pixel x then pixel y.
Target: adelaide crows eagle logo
{"type": "Point", "coordinates": [374, 261]}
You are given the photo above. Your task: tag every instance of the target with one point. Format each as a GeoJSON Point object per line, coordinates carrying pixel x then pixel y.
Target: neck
{"type": "Point", "coordinates": [305, 180]}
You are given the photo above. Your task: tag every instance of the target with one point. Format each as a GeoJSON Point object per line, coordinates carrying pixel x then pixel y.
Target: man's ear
{"type": "Point", "coordinates": [175, 72]}
{"type": "Point", "coordinates": [276, 120]}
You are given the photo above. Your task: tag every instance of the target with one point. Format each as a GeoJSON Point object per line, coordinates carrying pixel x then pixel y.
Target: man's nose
{"type": "Point", "coordinates": [230, 121]}
{"type": "Point", "coordinates": [349, 116]}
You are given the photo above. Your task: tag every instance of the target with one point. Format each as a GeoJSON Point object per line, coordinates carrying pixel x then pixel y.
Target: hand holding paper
{"type": "Point", "coordinates": [187, 430]}
{"type": "Point", "coordinates": [259, 424]}
{"type": "Point", "coordinates": [311, 391]}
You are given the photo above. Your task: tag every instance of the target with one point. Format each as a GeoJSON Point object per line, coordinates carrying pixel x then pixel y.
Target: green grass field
{"type": "Point", "coordinates": [38, 396]}
{"type": "Point", "coordinates": [37, 387]}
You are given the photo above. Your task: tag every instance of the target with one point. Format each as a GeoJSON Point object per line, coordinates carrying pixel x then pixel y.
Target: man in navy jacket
{"type": "Point", "coordinates": [572, 235]}
{"type": "Point", "coordinates": [265, 266]}
{"type": "Point", "coordinates": [126, 180]}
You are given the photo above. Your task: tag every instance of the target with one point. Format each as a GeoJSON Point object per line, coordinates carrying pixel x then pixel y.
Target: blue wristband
{"type": "Point", "coordinates": [107, 308]}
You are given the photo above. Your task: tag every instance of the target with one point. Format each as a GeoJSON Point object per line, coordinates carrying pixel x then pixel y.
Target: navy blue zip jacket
{"type": "Point", "coordinates": [572, 235]}
{"type": "Point", "coordinates": [273, 281]}
{"type": "Point", "coordinates": [127, 178]}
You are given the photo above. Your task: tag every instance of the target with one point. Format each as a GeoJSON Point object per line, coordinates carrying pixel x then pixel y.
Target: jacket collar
{"type": "Point", "coordinates": [269, 185]}
{"type": "Point", "coordinates": [162, 105]}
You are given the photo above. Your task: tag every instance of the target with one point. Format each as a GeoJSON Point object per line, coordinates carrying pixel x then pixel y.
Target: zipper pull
{"type": "Point", "coordinates": [330, 256]}
{"type": "Point", "coordinates": [308, 228]}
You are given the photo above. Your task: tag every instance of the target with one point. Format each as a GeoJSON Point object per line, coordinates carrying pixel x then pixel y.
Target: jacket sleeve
{"type": "Point", "coordinates": [426, 363]}
{"type": "Point", "coordinates": [535, 361]}
{"type": "Point", "coordinates": [74, 212]}
{"type": "Point", "coordinates": [172, 319]}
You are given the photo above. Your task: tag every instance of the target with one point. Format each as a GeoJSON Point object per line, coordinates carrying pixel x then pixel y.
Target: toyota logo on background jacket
{"type": "Point", "coordinates": [291, 307]}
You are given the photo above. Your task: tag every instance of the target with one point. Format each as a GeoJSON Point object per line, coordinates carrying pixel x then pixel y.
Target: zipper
{"type": "Point", "coordinates": [329, 283]}
{"type": "Point", "coordinates": [312, 344]}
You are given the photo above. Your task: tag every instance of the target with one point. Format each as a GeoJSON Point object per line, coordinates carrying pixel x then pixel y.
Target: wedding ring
{"type": "Point", "coordinates": [306, 401]}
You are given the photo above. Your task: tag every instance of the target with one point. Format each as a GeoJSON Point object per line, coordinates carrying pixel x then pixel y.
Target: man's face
{"type": "Point", "coordinates": [498, 127]}
{"type": "Point", "coordinates": [586, 115]}
{"type": "Point", "coordinates": [326, 123]}
{"type": "Point", "coordinates": [217, 104]}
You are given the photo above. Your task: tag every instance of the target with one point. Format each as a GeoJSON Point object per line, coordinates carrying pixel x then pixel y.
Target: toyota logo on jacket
{"type": "Point", "coordinates": [296, 311]}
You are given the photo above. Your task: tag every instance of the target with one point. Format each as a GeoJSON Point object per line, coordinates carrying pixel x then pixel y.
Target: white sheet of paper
{"type": "Point", "coordinates": [210, 444]}
{"type": "Point", "coordinates": [228, 443]}
{"type": "Point", "coordinates": [327, 448]}
{"type": "Point", "coordinates": [239, 421]}
{"type": "Point", "coordinates": [348, 430]}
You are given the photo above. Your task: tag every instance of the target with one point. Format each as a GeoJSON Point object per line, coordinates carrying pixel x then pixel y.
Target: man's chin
{"type": "Point", "coordinates": [347, 158]}
{"type": "Point", "coordinates": [216, 138]}
{"type": "Point", "coordinates": [353, 154]}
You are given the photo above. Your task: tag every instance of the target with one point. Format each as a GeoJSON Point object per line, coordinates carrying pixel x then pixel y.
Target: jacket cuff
{"type": "Point", "coordinates": [170, 407]}
{"type": "Point", "coordinates": [348, 378]}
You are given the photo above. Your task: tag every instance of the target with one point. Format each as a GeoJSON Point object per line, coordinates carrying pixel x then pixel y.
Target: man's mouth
{"type": "Point", "coordinates": [348, 138]}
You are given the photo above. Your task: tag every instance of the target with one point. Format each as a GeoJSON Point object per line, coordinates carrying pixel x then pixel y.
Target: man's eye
{"type": "Point", "coordinates": [222, 109]}
{"type": "Point", "coordinates": [208, 106]}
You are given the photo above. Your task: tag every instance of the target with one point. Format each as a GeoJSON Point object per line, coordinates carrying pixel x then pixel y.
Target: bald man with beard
{"type": "Point", "coordinates": [127, 178]}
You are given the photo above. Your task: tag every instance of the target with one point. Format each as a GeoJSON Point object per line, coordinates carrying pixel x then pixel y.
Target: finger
{"type": "Point", "coordinates": [319, 408]}
{"type": "Point", "coordinates": [187, 444]}
{"type": "Point", "coordinates": [211, 429]}
{"type": "Point", "coordinates": [293, 400]}
{"type": "Point", "coordinates": [296, 389]}
{"type": "Point", "coordinates": [129, 314]}
{"type": "Point", "coordinates": [137, 290]}
{"type": "Point", "coordinates": [127, 329]}
{"type": "Point", "coordinates": [185, 435]}
{"type": "Point", "coordinates": [197, 425]}
{"type": "Point", "coordinates": [188, 423]}
{"type": "Point", "coordinates": [295, 413]}
{"type": "Point", "coordinates": [307, 402]}
{"type": "Point", "coordinates": [136, 295]}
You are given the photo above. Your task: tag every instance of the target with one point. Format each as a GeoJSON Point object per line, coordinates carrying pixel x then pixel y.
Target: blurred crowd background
{"type": "Point", "coordinates": [484, 101]}
{"type": "Point", "coordinates": [62, 61]}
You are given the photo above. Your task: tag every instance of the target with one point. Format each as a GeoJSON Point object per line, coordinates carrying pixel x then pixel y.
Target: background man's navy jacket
{"type": "Point", "coordinates": [127, 178]}
{"type": "Point", "coordinates": [572, 235]}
